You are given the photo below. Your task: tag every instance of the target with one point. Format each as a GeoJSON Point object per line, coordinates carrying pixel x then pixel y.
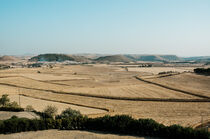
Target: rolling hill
{"type": "Point", "coordinates": [58, 58]}
{"type": "Point", "coordinates": [154, 58]}
{"type": "Point", "coordinates": [8, 58]}
{"type": "Point", "coordinates": [110, 58]}
{"type": "Point", "coordinates": [114, 58]}
{"type": "Point", "coordinates": [197, 59]}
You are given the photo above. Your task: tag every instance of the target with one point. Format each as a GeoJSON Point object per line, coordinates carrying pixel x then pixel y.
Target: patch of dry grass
{"type": "Point", "coordinates": [58, 134]}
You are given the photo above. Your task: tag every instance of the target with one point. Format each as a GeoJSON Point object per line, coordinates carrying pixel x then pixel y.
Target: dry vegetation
{"type": "Point", "coordinates": [197, 84]}
{"type": "Point", "coordinates": [97, 90]}
{"type": "Point", "coordinates": [156, 70]}
{"type": "Point", "coordinates": [55, 134]}
{"type": "Point", "coordinates": [6, 115]}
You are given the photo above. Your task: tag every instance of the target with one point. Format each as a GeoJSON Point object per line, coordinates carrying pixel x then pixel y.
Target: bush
{"type": "Point", "coordinates": [42, 114]}
{"type": "Point", "coordinates": [69, 113]}
{"type": "Point", "coordinates": [50, 111]}
{"type": "Point", "coordinates": [72, 123]}
{"type": "Point", "coordinates": [2, 126]}
{"type": "Point", "coordinates": [15, 109]}
{"type": "Point", "coordinates": [29, 108]}
{"type": "Point", "coordinates": [14, 125]}
{"type": "Point", "coordinates": [4, 100]}
{"type": "Point", "coordinates": [13, 104]}
{"type": "Point", "coordinates": [34, 125]}
{"type": "Point", "coordinates": [202, 71]}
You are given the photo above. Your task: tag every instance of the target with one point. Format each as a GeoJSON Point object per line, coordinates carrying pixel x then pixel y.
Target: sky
{"type": "Point", "coordinates": [180, 27]}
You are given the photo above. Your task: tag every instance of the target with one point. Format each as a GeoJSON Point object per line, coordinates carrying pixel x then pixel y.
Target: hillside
{"type": "Point", "coordinates": [91, 55]}
{"type": "Point", "coordinates": [197, 59]}
{"type": "Point", "coordinates": [157, 58]}
{"type": "Point", "coordinates": [8, 58]}
{"type": "Point", "coordinates": [110, 58]}
{"type": "Point", "coordinates": [136, 57]}
{"type": "Point", "coordinates": [58, 57]}
{"type": "Point", "coordinates": [114, 58]}
{"type": "Point", "coordinates": [170, 57]}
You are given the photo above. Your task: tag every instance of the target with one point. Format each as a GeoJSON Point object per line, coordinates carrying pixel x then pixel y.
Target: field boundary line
{"type": "Point", "coordinates": [46, 81]}
{"type": "Point", "coordinates": [162, 76]}
{"type": "Point", "coordinates": [113, 97]}
{"type": "Point", "coordinates": [70, 103]}
{"type": "Point", "coordinates": [171, 88]}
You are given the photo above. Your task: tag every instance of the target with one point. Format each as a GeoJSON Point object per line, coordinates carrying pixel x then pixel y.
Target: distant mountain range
{"type": "Point", "coordinates": [110, 58]}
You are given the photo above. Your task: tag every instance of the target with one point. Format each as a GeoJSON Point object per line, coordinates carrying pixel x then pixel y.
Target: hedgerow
{"type": "Point", "coordinates": [15, 109]}
{"type": "Point", "coordinates": [120, 124]}
{"type": "Point", "coordinates": [202, 71]}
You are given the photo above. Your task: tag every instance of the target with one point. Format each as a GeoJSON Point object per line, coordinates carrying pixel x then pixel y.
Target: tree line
{"type": "Point", "coordinates": [204, 71]}
{"type": "Point", "coordinates": [71, 119]}
{"type": "Point", "coordinates": [120, 124]}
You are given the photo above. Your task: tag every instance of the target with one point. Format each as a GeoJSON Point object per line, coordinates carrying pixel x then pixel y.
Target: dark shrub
{"type": "Point", "coordinates": [34, 125]}
{"type": "Point", "coordinates": [121, 124]}
{"type": "Point", "coordinates": [69, 113]}
{"type": "Point", "coordinates": [202, 71]}
{"type": "Point", "coordinates": [15, 109]}
{"type": "Point", "coordinates": [2, 127]}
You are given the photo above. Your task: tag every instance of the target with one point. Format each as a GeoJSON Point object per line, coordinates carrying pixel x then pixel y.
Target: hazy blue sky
{"type": "Point", "coordinates": [180, 27]}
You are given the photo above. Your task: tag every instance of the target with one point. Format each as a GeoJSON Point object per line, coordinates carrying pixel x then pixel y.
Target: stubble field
{"type": "Point", "coordinates": [97, 90]}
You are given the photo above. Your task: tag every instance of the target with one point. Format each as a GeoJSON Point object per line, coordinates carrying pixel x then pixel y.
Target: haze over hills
{"type": "Point", "coordinates": [160, 58]}
{"type": "Point", "coordinates": [198, 58]}
{"type": "Point", "coordinates": [58, 57]}
{"type": "Point", "coordinates": [116, 58]}
{"type": "Point", "coordinates": [8, 58]}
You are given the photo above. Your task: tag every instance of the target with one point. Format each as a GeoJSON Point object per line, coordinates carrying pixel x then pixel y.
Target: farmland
{"type": "Point", "coordinates": [56, 134]}
{"type": "Point", "coordinates": [101, 89]}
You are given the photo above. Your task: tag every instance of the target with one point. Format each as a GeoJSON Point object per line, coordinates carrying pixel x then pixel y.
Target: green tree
{"type": "Point", "coordinates": [4, 100]}
{"type": "Point", "coordinates": [69, 113]}
{"type": "Point", "coordinates": [50, 110]}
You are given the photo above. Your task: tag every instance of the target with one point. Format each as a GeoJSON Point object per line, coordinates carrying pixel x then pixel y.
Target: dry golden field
{"type": "Point", "coordinates": [197, 84]}
{"type": "Point", "coordinates": [97, 90]}
{"type": "Point", "coordinates": [62, 134]}
{"type": "Point", "coordinates": [156, 70]}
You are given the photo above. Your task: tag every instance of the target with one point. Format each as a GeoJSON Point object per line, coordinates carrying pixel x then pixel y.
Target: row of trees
{"type": "Point", "coordinates": [121, 124]}
{"type": "Point", "coordinates": [202, 71]}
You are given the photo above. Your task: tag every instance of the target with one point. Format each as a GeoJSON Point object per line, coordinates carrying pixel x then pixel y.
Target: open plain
{"type": "Point", "coordinates": [100, 89]}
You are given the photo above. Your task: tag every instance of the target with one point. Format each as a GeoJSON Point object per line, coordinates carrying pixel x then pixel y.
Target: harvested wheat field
{"type": "Point", "coordinates": [44, 103]}
{"type": "Point", "coordinates": [7, 115]}
{"type": "Point", "coordinates": [198, 84]}
{"type": "Point", "coordinates": [58, 134]}
{"type": "Point", "coordinates": [156, 70]}
{"type": "Point", "coordinates": [97, 90]}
